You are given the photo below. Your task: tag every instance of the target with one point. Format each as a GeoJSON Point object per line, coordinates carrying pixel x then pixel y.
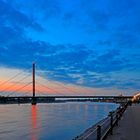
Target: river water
{"type": "Point", "coordinates": [53, 121]}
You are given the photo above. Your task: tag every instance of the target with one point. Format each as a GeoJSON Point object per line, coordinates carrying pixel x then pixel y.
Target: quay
{"type": "Point", "coordinates": [105, 127]}
{"type": "Point", "coordinates": [121, 124]}
{"type": "Point", "coordinates": [102, 129]}
{"type": "Point", "coordinates": [129, 126]}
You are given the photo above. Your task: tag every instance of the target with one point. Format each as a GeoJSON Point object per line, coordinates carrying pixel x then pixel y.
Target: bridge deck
{"type": "Point", "coordinates": [71, 97]}
{"type": "Point", "coordinates": [45, 99]}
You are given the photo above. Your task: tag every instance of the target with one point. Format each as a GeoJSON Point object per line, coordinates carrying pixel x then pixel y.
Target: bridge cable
{"type": "Point", "coordinates": [49, 88]}
{"type": "Point", "coordinates": [71, 90]}
{"type": "Point", "coordinates": [40, 92]}
{"type": "Point", "coordinates": [58, 84]}
{"type": "Point", "coordinates": [66, 88]}
{"type": "Point", "coordinates": [23, 93]}
{"type": "Point", "coordinates": [19, 89]}
{"type": "Point", "coordinates": [14, 84]}
{"type": "Point", "coordinates": [3, 83]}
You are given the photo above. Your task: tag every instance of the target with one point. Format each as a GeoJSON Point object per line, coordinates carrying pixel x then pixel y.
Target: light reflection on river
{"type": "Point", "coordinates": [34, 122]}
{"type": "Point", "coordinates": [50, 121]}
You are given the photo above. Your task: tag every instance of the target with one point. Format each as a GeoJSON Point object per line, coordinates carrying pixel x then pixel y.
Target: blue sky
{"type": "Point", "coordinates": [87, 43]}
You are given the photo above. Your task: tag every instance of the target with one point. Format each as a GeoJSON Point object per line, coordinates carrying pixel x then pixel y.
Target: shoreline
{"type": "Point", "coordinates": [101, 129]}
{"type": "Point", "coordinates": [88, 130]}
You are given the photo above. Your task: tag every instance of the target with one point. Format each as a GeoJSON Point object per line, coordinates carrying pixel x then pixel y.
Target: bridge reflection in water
{"type": "Point", "coordinates": [34, 123]}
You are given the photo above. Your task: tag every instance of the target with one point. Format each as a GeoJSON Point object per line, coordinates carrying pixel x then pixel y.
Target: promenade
{"type": "Point", "coordinates": [129, 125]}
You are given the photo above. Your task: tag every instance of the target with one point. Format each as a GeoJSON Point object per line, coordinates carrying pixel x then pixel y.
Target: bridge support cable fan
{"type": "Point", "coordinates": [19, 89]}
{"type": "Point", "coordinates": [13, 84]}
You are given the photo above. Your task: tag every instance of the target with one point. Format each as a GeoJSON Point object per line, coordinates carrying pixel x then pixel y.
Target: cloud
{"type": "Point", "coordinates": [15, 18]}
{"type": "Point", "coordinates": [112, 40]}
{"type": "Point", "coordinates": [70, 64]}
{"type": "Point", "coordinates": [44, 9]}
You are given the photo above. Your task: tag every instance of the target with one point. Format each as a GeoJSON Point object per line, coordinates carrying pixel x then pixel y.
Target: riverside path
{"type": "Point", "coordinates": [129, 125]}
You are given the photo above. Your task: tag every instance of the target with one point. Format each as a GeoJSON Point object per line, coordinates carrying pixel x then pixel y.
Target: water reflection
{"type": "Point", "coordinates": [34, 122]}
{"type": "Point", "coordinates": [50, 121]}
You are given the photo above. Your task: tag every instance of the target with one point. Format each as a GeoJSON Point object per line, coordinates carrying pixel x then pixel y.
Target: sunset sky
{"type": "Point", "coordinates": [88, 47]}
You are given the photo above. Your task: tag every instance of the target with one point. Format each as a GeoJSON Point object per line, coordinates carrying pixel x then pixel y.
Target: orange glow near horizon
{"type": "Point", "coordinates": [18, 87]}
{"type": "Point", "coordinates": [51, 87]}
{"type": "Point", "coordinates": [10, 87]}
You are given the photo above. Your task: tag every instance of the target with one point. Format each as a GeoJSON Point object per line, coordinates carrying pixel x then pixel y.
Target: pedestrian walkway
{"type": "Point", "coordinates": [129, 125]}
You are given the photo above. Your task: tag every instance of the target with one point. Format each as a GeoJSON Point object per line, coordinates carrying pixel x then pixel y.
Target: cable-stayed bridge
{"type": "Point", "coordinates": [29, 86]}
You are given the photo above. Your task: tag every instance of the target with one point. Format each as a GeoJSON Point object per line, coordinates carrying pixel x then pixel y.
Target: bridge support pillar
{"type": "Point", "coordinates": [33, 73]}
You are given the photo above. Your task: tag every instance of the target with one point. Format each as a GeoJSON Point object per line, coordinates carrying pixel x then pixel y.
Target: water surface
{"type": "Point", "coordinates": [52, 121]}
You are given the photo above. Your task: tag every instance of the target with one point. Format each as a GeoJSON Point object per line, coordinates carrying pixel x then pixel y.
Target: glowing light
{"type": "Point", "coordinates": [136, 96]}
{"type": "Point", "coordinates": [34, 122]}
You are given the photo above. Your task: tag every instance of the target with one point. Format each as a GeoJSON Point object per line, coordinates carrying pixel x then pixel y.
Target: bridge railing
{"type": "Point", "coordinates": [104, 127]}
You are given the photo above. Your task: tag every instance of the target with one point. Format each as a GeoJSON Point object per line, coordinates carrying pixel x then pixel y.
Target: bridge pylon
{"type": "Point", "coordinates": [33, 81]}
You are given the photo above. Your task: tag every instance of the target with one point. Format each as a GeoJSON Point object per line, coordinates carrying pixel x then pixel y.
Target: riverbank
{"type": "Point", "coordinates": [101, 130]}
{"type": "Point", "coordinates": [89, 132]}
{"type": "Point", "coordinates": [129, 125]}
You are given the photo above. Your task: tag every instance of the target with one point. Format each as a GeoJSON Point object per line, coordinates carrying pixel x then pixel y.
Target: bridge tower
{"type": "Point", "coordinates": [33, 72]}
{"type": "Point", "coordinates": [33, 76]}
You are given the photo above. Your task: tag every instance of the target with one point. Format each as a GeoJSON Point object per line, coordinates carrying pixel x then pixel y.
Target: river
{"type": "Point", "coordinates": [52, 121]}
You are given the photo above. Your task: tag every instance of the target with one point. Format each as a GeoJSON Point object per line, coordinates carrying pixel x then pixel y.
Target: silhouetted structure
{"type": "Point", "coordinates": [33, 98]}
